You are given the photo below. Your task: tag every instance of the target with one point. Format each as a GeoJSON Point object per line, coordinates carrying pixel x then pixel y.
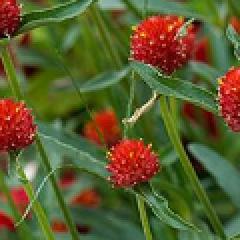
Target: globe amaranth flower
{"type": "Point", "coordinates": [17, 129]}
{"type": "Point", "coordinates": [131, 163]}
{"type": "Point", "coordinates": [229, 98]}
{"type": "Point", "coordinates": [156, 41]}
{"type": "Point", "coordinates": [103, 128]}
{"type": "Point", "coordinates": [88, 198]}
{"type": "Point", "coordinates": [10, 17]}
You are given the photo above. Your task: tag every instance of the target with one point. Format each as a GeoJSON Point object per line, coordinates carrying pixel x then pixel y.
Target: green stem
{"type": "Point", "coordinates": [13, 81]}
{"type": "Point", "coordinates": [145, 9]}
{"type": "Point", "coordinates": [96, 14]}
{"type": "Point", "coordinates": [140, 200]}
{"type": "Point", "coordinates": [189, 171]}
{"type": "Point", "coordinates": [144, 218]}
{"type": "Point", "coordinates": [11, 74]}
{"type": "Point", "coordinates": [130, 103]}
{"type": "Point", "coordinates": [174, 109]}
{"type": "Point", "coordinates": [58, 194]}
{"type": "Point", "coordinates": [233, 8]}
{"type": "Point", "coordinates": [132, 8]}
{"type": "Point", "coordinates": [23, 231]}
{"type": "Point", "coordinates": [212, 5]}
{"type": "Point", "coordinates": [37, 208]}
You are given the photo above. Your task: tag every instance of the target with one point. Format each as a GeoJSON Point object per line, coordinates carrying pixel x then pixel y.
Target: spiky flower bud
{"type": "Point", "coordinates": [17, 129]}
{"type": "Point", "coordinates": [158, 41]}
{"type": "Point", "coordinates": [10, 17]}
{"type": "Point", "coordinates": [131, 162]}
{"type": "Point", "coordinates": [229, 98]}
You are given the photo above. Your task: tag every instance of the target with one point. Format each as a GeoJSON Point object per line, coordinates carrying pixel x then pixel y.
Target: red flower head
{"type": "Point", "coordinates": [236, 24]}
{"type": "Point", "coordinates": [229, 98]}
{"type": "Point", "coordinates": [19, 197]}
{"type": "Point", "coordinates": [156, 41]}
{"type": "Point", "coordinates": [6, 222]}
{"type": "Point", "coordinates": [201, 52]}
{"type": "Point", "coordinates": [88, 198]}
{"type": "Point", "coordinates": [106, 124]}
{"type": "Point", "coordinates": [131, 163]}
{"type": "Point", "coordinates": [9, 17]}
{"type": "Point", "coordinates": [17, 129]}
{"type": "Point", "coordinates": [58, 226]}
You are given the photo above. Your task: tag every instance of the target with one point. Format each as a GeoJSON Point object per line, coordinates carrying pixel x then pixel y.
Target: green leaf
{"type": "Point", "coordinates": [56, 14]}
{"type": "Point", "coordinates": [170, 7]}
{"type": "Point", "coordinates": [84, 154]}
{"type": "Point", "coordinates": [227, 177]}
{"type": "Point", "coordinates": [104, 80]}
{"type": "Point", "coordinates": [235, 237]}
{"type": "Point", "coordinates": [221, 59]}
{"type": "Point", "coordinates": [175, 87]}
{"type": "Point", "coordinates": [117, 223]}
{"type": "Point", "coordinates": [206, 72]}
{"type": "Point", "coordinates": [232, 226]}
{"type": "Point", "coordinates": [205, 234]}
{"type": "Point", "coordinates": [160, 208]}
{"type": "Point", "coordinates": [232, 35]}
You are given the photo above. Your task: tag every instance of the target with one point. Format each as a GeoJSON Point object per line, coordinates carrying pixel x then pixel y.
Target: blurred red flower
{"type": "Point", "coordinates": [88, 198]}
{"type": "Point", "coordinates": [104, 123]}
{"type": "Point", "coordinates": [236, 24]}
{"type": "Point", "coordinates": [20, 198]}
{"type": "Point", "coordinates": [6, 222]}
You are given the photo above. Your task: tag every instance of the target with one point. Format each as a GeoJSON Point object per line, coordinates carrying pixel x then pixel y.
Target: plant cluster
{"type": "Point", "coordinates": [119, 119]}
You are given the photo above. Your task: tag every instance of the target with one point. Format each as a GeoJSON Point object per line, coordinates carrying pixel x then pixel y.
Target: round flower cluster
{"type": "Point", "coordinates": [104, 128]}
{"type": "Point", "coordinates": [229, 98]}
{"type": "Point", "coordinates": [157, 41]}
{"type": "Point", "coordinates": [17, 129]}
{"type": "Point", "coordinates": [10, 17]}
{"type": "Point", "coordinates": [131, 162]}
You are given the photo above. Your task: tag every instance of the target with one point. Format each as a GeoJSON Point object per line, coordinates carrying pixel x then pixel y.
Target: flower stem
{"type": "Point", "coordinates": [96, 14]}
{"type": "Point", "coordinates": [23, 231]}
{"type": "Point", "coordinates": [13, 81]}
{"type": "Point", "coordinates": [61, 202]}
{"type": "Point", "coordinates": [189, 171]}
{"type": "Point", "coordinates": [139, 199]}
{"type": "Point", "coordinates": [37, 208]}
{"type": "Point", "coordinates": [133, 8]}
{"type": "Point", "coordinates": [144, 218]}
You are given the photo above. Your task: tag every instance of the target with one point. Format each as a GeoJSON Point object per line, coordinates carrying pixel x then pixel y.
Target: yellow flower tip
{"type": "Point", "coordinates": [181, 19]}
{"type": "Point", "coordinates": [220, 80]}
{"type": "Point", "coordinates": [134, 28]}
{"type": "Point", "coordinates": [149, 146]}
{"type": "Point", "coordinates": [170, 28]}
{"type": "Point", "coordinates": [143, 34]}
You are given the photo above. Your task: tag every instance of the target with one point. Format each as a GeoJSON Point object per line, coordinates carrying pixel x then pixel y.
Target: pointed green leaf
{"type": "Point", "coordinates": [232, 35]}
{"type": "Point", "coordinates": [160, 208]}
{"type": "Point", "coordinates": [84, 154]}
{"type": "Point", "coordinates": [175, 87]}
{"type": "Point", "coordinates": [55, 14]}
{"type": "Point", "coordinates": [104, 80]}
{"type": "Point", "coordinates": [227, 177]}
